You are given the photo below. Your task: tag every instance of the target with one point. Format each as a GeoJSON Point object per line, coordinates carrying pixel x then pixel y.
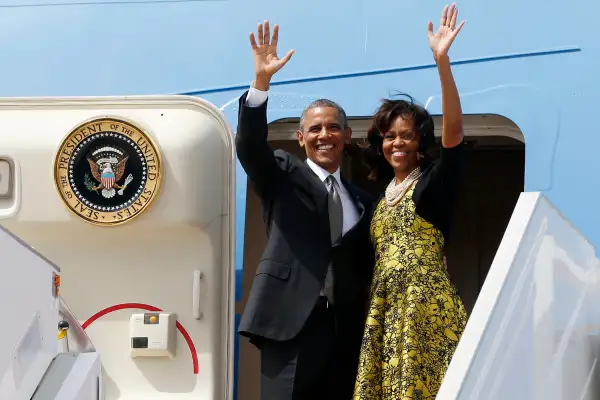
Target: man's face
{"type": "Point", "coordinates": [323, 137]}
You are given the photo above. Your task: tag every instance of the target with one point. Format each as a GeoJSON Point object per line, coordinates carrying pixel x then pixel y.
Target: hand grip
{"type": "Point", "coordinates": [196, 294]}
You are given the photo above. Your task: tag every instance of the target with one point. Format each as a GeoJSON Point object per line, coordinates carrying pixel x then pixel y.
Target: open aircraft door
{"type": "Point", "coordinates": [133, 198]}
{"type": "Point", "coordinates": [534, 331]}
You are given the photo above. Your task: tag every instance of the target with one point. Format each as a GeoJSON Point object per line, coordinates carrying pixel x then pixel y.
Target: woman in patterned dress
{"type": "Point", "coordinates": [415, 316]}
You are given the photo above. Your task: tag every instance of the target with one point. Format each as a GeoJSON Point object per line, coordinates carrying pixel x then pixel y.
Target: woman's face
{"type": "Point", "coordinates": [401, 146]}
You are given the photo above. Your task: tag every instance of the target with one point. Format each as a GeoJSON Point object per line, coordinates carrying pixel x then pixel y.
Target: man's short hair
{"type": "Point", "coordinates": [324, 103]}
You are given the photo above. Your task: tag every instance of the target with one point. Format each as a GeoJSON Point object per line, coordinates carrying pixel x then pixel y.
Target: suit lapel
{"type": "Point", "coordinates": [362, 214]}
{"type": "Point", "coordinates": [355, 197]}
{"type": "Point", "coordinates": [315, 186]}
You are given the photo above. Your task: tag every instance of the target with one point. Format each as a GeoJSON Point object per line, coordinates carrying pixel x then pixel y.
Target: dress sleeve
{"type": "Point", "coordinates": [436, 192]}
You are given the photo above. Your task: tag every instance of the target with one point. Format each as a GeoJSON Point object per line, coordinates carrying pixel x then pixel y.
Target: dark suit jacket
{"type": "Point", "coordinates": [292, 269]}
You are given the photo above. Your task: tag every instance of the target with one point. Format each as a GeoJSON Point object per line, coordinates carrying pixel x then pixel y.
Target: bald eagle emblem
{"type": "Point", "coordinates": [107, 165]}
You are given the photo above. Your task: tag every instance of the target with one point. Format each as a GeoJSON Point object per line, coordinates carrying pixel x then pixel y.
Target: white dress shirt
{"type": "Point", "coordinates": [350, 213]}
{"type": "Point", "coordinates": [255, 98]}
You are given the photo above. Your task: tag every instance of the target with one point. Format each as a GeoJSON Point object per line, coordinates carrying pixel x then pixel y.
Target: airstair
{"type": "Point", "coordinates": [45, 352]}
{"type": "Point", "coordinates": [534, 331]}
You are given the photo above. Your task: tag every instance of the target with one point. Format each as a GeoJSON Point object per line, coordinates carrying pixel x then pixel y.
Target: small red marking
{"type": "Point", "coordinates": [146, 307]}
{"type": "Point", "coordinates": [56, 285]}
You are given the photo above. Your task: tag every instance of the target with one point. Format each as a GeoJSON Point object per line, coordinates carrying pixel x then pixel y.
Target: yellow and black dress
{"type": "Point", "coordinates": [415, 316]}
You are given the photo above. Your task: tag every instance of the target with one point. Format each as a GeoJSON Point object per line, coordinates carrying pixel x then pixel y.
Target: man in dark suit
{"type": "Point", "coordinates": [307, 306]}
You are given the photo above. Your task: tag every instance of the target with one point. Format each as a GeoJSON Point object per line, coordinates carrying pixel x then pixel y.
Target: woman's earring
{"type": "Point", "coordinates": [419, 156]}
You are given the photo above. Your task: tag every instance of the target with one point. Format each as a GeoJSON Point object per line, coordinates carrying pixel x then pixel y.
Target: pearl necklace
{"type": "Point", "coordinates": [395, 192]}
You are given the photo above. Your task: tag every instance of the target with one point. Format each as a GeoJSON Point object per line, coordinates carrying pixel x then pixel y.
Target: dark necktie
{"type": "Point", "coordinates": [336, 212]}
{"type": "Point", "coordinates": [336, 219]}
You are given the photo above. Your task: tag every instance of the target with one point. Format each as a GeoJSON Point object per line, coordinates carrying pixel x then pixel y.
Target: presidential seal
{"type": "Point", "coordinates": [107, 171]}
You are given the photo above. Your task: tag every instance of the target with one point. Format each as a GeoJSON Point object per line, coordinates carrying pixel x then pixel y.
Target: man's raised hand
{"type": "Point", "coordinates": [266, 62]}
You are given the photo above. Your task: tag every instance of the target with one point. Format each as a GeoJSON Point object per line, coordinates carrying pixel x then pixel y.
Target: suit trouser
{"type": "Point", "coordinates": [305, 367]}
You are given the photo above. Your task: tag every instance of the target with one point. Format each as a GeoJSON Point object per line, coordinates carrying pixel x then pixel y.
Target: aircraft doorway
{"type": "Point", "coordinates": [493, 180]}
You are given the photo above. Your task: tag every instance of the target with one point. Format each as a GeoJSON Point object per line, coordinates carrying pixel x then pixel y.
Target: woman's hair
{"type": "Point", "coordinates": [385, 116]}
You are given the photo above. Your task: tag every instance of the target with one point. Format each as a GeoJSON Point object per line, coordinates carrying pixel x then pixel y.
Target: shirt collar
{"type": "Point", "coordinates": [321, 173]}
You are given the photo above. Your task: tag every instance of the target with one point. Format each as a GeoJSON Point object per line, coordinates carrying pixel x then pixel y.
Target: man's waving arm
{"type": "Point", "coordinates": [253, 150]}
